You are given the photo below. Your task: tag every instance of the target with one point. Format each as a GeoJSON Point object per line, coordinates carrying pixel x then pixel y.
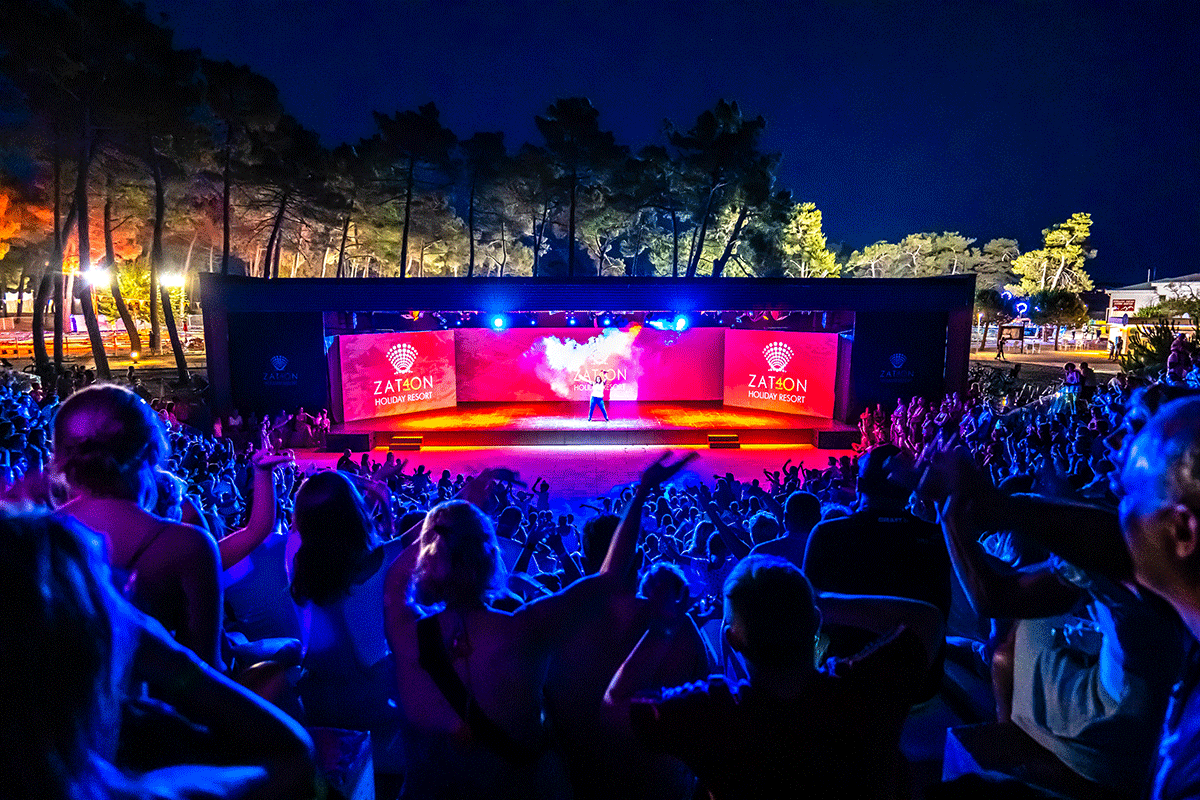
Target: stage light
{"type": "Point", "coordinates": [498, 322]}
{"type": "Point", "coordinates": [681, 322]}
{"type": "Point", "coordinates": [606, 321]}
{"type": "Point", "coordinates": [572, 321]}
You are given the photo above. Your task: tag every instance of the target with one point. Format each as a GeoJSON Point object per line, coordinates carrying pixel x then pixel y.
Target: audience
{"type": "Point", "coordinates": [660, 639]}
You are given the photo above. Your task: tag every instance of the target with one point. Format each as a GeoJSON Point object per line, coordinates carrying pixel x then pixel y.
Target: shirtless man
{"type": "Point", "coordinates": [489, 742]}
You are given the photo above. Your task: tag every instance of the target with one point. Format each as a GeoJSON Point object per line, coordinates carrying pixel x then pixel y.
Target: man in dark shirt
{"type": "Point", "coordinates": [1160, 519]}
{"type": "Point", "coordinates": [792, 730]}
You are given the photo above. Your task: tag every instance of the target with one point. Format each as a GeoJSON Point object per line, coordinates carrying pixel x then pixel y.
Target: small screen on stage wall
{"type": "Point", "coordinates": [555, 364]}
{"type": "Point", "coordinates": [780, 371]}
{"type": "Point", "coordinates": [396, 373]}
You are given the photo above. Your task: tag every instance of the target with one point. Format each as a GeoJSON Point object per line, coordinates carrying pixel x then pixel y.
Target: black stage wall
{"type": "Point", "coordinates": [911, 336]}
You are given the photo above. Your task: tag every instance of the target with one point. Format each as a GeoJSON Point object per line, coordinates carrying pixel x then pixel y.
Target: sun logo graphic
{"type": "Point", "coordinates": [279, 363]}
{"type": "Point", "coordinates": [778, 355]}
{"type": "Point", "coordinates": [402, 357]}
{"type": "Point", "coordinates": [897, 360]}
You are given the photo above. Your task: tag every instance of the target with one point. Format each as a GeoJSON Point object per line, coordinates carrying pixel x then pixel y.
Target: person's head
{"type": "Point", "coordinates": [63, 655]}
{"type": "Point", "coordinates": [873, 482]}
{"type": "Point", "coordinates": [1160, 509]}
{"type": "Point", "coordinates": [763, 527]}
{"type": "Point", "coordinates": [597, 535]}
{"type": "Point", "coordinates": [598, 379]}
{"type": "Point", "coordinates": [716, 548]}
{"type": "Point", "coordinates": [770, 615]}
{"type": "Point", "coordinates": [458, 563]}
{"type": "Point", "coordinates": [335, 533]}
{"type": "Point", "coordinates": [801, 511]}
{"type": "Point", "coordinates": [510, 520]}
{"type": "Point", "coordinates": [666, 587]}
{"type": "Point", "coordinates": [108, 442]}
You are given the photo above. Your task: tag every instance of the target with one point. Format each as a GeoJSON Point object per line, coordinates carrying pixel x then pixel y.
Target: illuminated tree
{"type": "Point", "coordinates": [1057, 307]}
{"type": "Point", "coordinates": [802, 243]}
{"type": "Point", "coordinates": [1059, 264]}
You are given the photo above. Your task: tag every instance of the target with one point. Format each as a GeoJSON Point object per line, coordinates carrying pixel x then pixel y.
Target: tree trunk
{"type": "Point", "coordinates": [1057, 329]}
{"type": "Point", "coordinates": [698, 247]}
{"type": "Point", "coordinates": [324, 261]}
{"type": "Point", "coordinates": [110, 262]}
{"type": "Point", "coordinates": [83, 235]}
{"type": "Point", "coordinates": [408, 192]}
{"type": "Point", "coordinates": [674, 243]}
{"type": "Point", "coordinates": [983, 339]}
{"type": "Point", "coordinates": [345, 233]}
{"type": "Point", "coordinates": [156, 250]}
{"type": "Point", "coordinates": [225, 189]}
{"type": "Point", "coordinates": [571, 227]}
{"type": "Point", "coordinates": [173, 332]}
{"type": "Point", "coordinates": [274, 243]}
{"type": "Point", "coordinates": [719, 264]}
{"type": "Point", "coordinates": [471, 230]}
{"type": "Point", "coordinates": [21, 282]}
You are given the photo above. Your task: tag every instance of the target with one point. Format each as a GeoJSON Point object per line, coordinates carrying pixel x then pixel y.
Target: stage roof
{"type": "Point", "coordinates": [489, 295]}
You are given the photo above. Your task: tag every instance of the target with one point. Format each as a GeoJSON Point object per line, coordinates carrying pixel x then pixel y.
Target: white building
{"type": "Point", "coordinates": [1130, 302]}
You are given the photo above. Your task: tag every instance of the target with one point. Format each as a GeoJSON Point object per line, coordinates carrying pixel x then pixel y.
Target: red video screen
{"type": "Point", "coordinates": [793, 373]}
{"type": "Point", "coordinates": [396, 373]}
{"type": "Point", "coordinates": [554, 364]}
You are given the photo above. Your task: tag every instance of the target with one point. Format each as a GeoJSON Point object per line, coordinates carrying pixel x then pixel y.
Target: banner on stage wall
{"type": "Point", "coordinates": [790, 372]}
{"type": "Point", "coordinates": [554, 364]}
{"type": "Point", "coordinates": [396, 373]}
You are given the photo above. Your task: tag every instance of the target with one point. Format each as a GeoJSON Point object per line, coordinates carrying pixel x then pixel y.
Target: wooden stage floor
{"type": "Point", "coordinates": [566, 423]}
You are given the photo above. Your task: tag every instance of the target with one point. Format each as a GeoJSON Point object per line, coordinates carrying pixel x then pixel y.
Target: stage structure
{"type": "Point", "coordinates": [512, 361]}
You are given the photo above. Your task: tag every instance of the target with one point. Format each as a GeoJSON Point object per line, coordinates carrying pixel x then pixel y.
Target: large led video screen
{"type": "Point", "coordinates": [396, 373]}
{"type": "Point", "coordinates": [554, 364]}
{"type": "Point", "coordinates": [783, 371]}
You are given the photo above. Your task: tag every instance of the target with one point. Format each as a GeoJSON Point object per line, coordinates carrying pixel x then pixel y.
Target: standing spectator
{"type": "Point", "coordinates": [1000, 349]}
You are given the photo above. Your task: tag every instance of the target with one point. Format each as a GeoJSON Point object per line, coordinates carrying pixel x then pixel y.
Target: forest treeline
{"type": "Point", "coordinates": [120, 152]}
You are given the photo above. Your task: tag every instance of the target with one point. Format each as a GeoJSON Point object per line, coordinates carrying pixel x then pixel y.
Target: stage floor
{"type": "Point", "coordinates": [630, 423]}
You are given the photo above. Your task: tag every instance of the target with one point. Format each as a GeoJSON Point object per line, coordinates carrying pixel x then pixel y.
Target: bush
{"type": "Point", "coordinates": [1150, 347]}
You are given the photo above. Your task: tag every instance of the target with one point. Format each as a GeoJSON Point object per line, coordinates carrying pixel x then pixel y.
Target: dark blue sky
{"type": "Point", "coordinates": [989, 118]}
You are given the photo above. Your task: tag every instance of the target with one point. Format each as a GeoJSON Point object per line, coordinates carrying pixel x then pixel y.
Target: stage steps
{"type": "Point", "coordinates": [405, 442]}
{"type": "Point", "coordinates": [724, 441]}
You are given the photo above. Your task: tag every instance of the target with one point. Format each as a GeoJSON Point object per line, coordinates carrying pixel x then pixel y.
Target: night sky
{"type": "Point", "coordinates": [987, 118]}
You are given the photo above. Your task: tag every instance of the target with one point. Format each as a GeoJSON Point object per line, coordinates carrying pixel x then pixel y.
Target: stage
{"type": "Point", "coordinates": [541, 424]}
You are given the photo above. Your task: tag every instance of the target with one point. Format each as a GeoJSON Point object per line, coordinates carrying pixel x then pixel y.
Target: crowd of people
{"type": "Point", "coordinates": [180, 604]}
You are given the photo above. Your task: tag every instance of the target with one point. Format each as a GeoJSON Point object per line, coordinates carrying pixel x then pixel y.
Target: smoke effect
{"type": "Point", "coordinates": [566, 364]}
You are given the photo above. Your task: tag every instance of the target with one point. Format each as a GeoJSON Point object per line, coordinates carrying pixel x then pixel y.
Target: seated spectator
{"type": "Point", "coordinates": [1096, 709]}
{"type": "Point", "coordinates": [792, 729]}
{"type": "Point", "coordinates": [880, 549]}
{"type": "Point", "coordinates": [1159, 514]}
{"type": "Point", "coordinates": [801, 513]}
{"type": "Point", "coordinates": [70, 648]}
{"type": "Point", "coordinates": [470, 677]}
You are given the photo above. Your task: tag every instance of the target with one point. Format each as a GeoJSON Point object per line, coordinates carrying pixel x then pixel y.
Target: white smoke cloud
{"type": "Point", "coordinates": [562, 360]}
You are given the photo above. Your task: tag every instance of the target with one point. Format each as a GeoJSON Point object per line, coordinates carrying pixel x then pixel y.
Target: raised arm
{"type": "Point", "coordinates": [253, 732]}
{"type": "Point", "coordinates": [737, 547]}
{"type": "Point", "coordinates": [239, 544]}
{"type": "Point", "coordinates": [883, 615]}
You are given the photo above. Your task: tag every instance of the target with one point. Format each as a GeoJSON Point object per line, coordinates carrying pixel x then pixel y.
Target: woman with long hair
{"type": "Point", "coordinates": [337, 581]}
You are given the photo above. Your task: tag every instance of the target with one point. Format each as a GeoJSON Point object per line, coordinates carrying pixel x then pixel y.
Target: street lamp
{"type": "Point", "coordinates": [98, 277]}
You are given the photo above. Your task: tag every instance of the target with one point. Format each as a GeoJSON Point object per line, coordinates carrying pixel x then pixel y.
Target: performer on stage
{"type": "Point", "coordinates": [598, 398]}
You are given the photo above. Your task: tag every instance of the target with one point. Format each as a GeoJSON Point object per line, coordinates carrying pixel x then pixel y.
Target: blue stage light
{"type": "Point", "coordinates": [572, 321]}
{"type": "Point", "coordinates": [681, 322]}
{"type": "Point", "coordinates": [498, 322]}
{"type": "Point", "coordinates": [606, 321]}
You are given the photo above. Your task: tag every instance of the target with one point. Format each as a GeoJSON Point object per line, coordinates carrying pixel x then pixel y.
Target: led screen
{"type": "Point", "coordinates": [780, 371]}
{"type": "Point", "coordinates": [396, 373]}
{"type": "Point", "coordinates": [560, 363]}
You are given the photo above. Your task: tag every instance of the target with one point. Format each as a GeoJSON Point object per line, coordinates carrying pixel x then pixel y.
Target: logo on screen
{"type": "Point", "coordinates": [897, 373]}
{"type": "Point", "coordinates": [898, 360]}
{"type": "Point", "coordinates": [778, 355]}
{"type": "Point", "coordinates": [402, 357]}
{"type": "Point", "coordinates": [278, 374]}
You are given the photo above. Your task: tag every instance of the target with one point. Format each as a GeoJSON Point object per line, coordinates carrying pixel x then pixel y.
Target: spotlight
{"type": "Point", "coordinates": [606, 321]}
{"type": "Point", "coordinates": [572, 321]}
{"type": "Point", "coordinates": [681, 322]}
{"type": "Point", "coordinates": [498, 322]}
